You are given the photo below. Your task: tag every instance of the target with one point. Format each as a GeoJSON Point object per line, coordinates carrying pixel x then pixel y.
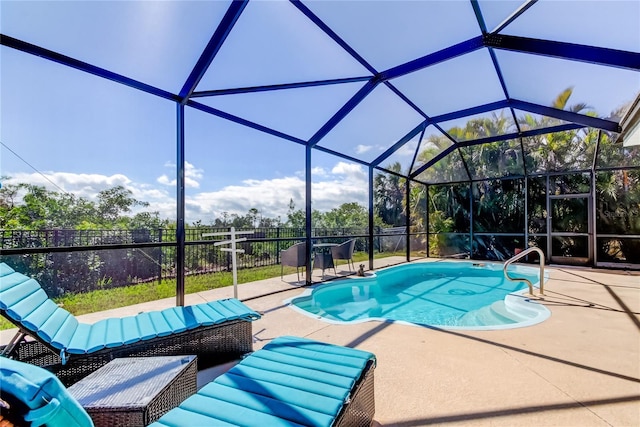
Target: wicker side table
{"type": "Point", "coordinates": [136, 391]}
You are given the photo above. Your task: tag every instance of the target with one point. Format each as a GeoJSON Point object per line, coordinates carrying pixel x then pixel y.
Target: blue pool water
{"type": "Point", "coordinates": [450, 294]}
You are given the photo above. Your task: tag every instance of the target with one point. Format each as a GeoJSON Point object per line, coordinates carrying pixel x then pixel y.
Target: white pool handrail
{"type": "Point", "coordinates": [521, 255]}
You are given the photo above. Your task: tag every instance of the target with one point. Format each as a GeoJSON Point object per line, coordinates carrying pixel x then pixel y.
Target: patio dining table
{"type": "Point", "coordinates": [322, 257]}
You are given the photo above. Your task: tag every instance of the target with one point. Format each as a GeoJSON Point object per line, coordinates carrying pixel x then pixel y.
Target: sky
{"type": "Point", "coordinates": [74, 132]}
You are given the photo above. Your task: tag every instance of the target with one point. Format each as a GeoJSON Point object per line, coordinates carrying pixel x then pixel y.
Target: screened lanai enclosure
{"type": "Point", "coordinates": [468, 129]}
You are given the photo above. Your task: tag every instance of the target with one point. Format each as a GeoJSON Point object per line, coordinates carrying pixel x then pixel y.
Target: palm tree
{"type": "Point", "coordinates": [389, 196]}
{"type": "Point", "coordinates": [559, 151]}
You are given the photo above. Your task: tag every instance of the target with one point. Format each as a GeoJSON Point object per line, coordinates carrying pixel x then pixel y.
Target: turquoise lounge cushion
{"type": "Point", "coordinates": [145, 326]}
{"type": "Point", "coordinates": [266, 405]}
{"type": "Point", "coordinates": [27, 305]}
{"type": "Point", "coordinates": [285, 367]}
{"type": "Point", "coordinates": [48, 401]}
{"type": "Point", "coordinates": [40, 315]}
{"type": "Point", "coordinates": [197, 411]}
{"type": "Point", "coordinates": [174, 317]}
{"type": "Point", "coordinates": [23, 300]}
{"type": "Point", "coordinates": [5, 270]}
{"type": "Point", "coordinates": [114, 332]}
{"type": "Point", "coordinates": [211, 313]}
{"type": "Point", "coordinates": [315, 386]}
{"type": "Point", "coordinates": [21, 290]}
{"type": "Point", "coordinates": [313, 350]}
{"type": "Point", "coordinates": [130, 333]}
{"type": "Point", "coordinates": [97, 339]}
{"type": "Point", "coordinates": [160, 324]}
{"type": "Point", "coordinates": [79, 342]}
{"type": "Point", "coordinates": [291, 381]}
{"type": "Point", "coordinates": [289, 394]}
{"type": "Point", "coordinates": [58, 329]}
{"type": "Point", "coordinates": [316, 364]}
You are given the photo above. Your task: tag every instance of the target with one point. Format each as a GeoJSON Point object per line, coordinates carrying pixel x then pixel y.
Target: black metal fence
{"type": "Point", "coordinates": [72, 261]}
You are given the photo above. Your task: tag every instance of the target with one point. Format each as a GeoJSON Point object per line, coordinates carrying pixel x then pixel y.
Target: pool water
{"type": "Point", "coordinates": [465, 295]}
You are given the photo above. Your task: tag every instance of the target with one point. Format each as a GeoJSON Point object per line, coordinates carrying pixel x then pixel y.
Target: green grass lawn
{"type": "Point", "coordinates": [105, 299]}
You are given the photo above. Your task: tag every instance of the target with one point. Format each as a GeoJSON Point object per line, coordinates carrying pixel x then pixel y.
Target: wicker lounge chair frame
{"type": "Point", "coordinates": [360, 410]}
{"type": "Point", "coordinates": [212, 343]}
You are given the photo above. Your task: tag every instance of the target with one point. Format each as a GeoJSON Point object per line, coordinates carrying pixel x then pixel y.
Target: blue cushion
{"type": "Point", "coordinates": [79, 342]}
{"type": "Point", "coordinates": [174, 317]}
{"type": "Point", "coordinates": [285, 411]}
{"type": "Point", "coordinates": [97, 337]}
{"type": "Point", "coordinates": [284, 367]}
{"type": "Point", "coordinates": [160, 324]}
{"type": "Point", "coordinates": [5, 270]}
{"type": "Point", "coordinates": [12, 279]}
{"type": "Point", "coordinates": [114, 336]}
{"type": "Point", "coordinates": [47, 399]}
{"type": "Point", "coordinates": [291, 381]}
{"type": "Point", "coordinates": [21, 290]}
{"type": "Point", "coordinates": [291, 395]}
{"type": "Point", "coordinates": [316, 364]}
{"type": "Point", "coordinates": [145, 326]}
{"type": "Point", "coordinates": [23, 300]}
{"type": "Point", "coordinates": [316, 385]}
{"type": "Point", "coordinates": [40, 315]}
{"type": "Point", "coordinates": [27, 305]}
{"type": "Point", "coordinates": [130, 332]}
{"type": "Point", "coordinates": [60, 328]}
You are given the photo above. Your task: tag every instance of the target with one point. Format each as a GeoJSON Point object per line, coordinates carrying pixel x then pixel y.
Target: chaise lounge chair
{"type": "Point", "coordinates": [215, 331]}
{"type": "Point", "coordinates": [290, 382]}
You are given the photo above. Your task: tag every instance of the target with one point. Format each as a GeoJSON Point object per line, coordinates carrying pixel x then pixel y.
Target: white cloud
{"type": "Point", "coordinates": [191, 176]}
{"type": "Point", "coordinates": [82, 185]}
{"type": "Point", "coordinates": [318, 171]}
{"type": "Point", "coordinates": [408, 149]}
{"type": "Point", "coordinates": [164, 180]}
{"type": "Point", "coordinates": [363, 148]}
{"type": "Point", "coordinates": [271, 197]}
{"type": "Point", "coordinates": [350, 170]}
{"type": "Point", "coordinates": [344, 183]}
{"type": "Point", "coordinates": [89, 185]}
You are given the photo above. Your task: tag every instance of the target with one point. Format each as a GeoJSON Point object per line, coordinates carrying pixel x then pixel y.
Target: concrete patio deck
{"type": "Point", "coordinates": [580, 367]}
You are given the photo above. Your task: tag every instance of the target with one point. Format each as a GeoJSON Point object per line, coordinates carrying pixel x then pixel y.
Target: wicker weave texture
{"type": "Point", "coordinates": [212, 344]}
{"type": "Point", "coordinates": [362, 407]}
{"type": "Point", "coordinates": [136, 391]}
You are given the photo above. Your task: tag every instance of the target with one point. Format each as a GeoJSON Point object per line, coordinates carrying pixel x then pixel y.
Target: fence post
{"type": "Point", "coordinates": [278, 245]}
{"type": "Point", "coordinates": [160, 256]}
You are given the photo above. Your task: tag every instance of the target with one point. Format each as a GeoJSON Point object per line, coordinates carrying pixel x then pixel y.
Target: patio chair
{"type": "Point", "coordinates": [290, 381]}
{"type": "Point", "coordinates": [215, 331]}
{"type": "Point", "coordinates": [344, 251]}
{"type": "Point", "coordinates": [295, 256]}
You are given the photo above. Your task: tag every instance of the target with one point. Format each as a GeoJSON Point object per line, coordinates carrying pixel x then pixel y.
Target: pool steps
{"type": "Point", "coordinates": [497, 313]}
{"type": "Point", "coordinates": [500, 308]}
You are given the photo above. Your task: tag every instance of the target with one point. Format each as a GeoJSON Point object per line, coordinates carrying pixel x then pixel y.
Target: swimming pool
{"type": "Point", "coordinates": [447, 294]}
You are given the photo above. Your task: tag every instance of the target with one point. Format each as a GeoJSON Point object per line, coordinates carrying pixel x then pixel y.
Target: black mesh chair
{"type": "Point", "coordinates": [344, 251]}
{"type": "Point", "coordinates": [295, 256]}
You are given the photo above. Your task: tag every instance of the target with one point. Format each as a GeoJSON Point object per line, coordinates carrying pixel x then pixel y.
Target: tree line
{"type": "Point", "coordinates": [26, 206]}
